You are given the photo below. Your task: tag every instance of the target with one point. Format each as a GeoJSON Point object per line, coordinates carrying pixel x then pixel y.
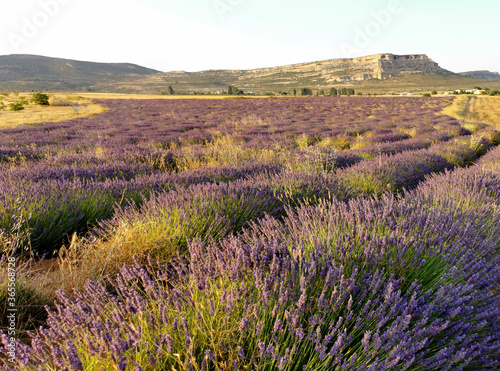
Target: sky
{"type": "Point", "coordinates": [195, 35]}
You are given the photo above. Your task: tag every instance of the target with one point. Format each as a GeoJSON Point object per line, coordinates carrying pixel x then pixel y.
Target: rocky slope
{"type": "Point", "coordinates": [322, 73]}
{"type": "Point", "coordinates": [379, 66]}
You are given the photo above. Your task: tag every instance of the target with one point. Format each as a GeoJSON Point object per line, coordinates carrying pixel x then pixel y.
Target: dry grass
{"type": "Point", "coordinates": [340, 143]}
{"type": "Point", "coordinates": [80, 261]}
{"type": "Point", "coordinates": [62, 107]}
{"type": "Point", "coordinates": [418, 84]}
{"type": "Point", "coordinates": [476, 109]}
{"type": "Point", "coordinates": [84, 260]}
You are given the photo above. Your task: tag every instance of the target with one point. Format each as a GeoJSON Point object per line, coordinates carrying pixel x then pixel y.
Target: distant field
{"type": "Point", "coordinates": [416, 84]}
{"type": "Point", "coordinates": [66, 107]}
{"type": "Point", "coordinates": [62, 107]}
{"type": "Point", "coordinates": [476, 108]}
{"type": "Point", "coordinates": [160, 96]}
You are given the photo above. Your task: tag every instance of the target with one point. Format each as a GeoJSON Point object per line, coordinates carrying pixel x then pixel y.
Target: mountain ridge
{"type": "Point", "coordinates": [27, 69]}
{"type": "Point", "coordinates": [30, 72]}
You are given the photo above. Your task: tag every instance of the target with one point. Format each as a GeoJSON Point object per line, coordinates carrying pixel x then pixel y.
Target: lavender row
{"type": "Point", "coordinates": [53, 209]}
{"type": "Point", "coordinates": [372, 284]}
{"type": "Point", "coordinates": [407, 169]}
{"type": "Point", "coordinates": [165, 222]}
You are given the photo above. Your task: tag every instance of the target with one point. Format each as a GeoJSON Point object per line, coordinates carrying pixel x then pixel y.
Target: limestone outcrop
{"type": "Point", "coordinates": [378, 66]}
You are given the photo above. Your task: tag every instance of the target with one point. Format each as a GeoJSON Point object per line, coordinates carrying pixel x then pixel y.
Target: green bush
{"type": "Point", "coordinates": [18, 106]}
{"type": "Point", "coordinates": [40, 99]}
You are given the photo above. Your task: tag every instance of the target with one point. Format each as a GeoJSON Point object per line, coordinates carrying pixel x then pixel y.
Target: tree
{"type": "Point", "coordinates": [233, 90]}
{"type": "Point", "coordinates": [40, 99]}
{"type": "Point", "coordinates": [294, 92]}
{"type": "Point", "coordinates": [306, 91]}
{"type": "Point", "coordinates": [170, 90]}
{"type": "Point", "coordinates": [333, 92]}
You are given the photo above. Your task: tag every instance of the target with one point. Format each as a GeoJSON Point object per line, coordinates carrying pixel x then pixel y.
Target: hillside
{"type": "Point", "coordinates": [313, 74]}
{"type": "Point", "coordinates": [381, 73]}
{"type": "Point", "coordinates": [482, 74]}
{"type": "Point", "coordinates": [21, 71]}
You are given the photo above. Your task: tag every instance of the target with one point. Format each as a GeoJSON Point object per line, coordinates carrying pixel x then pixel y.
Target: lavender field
{"type": "Point", "coordinates": [321, 233]}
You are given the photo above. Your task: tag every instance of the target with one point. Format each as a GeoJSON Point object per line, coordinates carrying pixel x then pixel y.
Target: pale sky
{"type": "Point", "coordinates": [194, 35]}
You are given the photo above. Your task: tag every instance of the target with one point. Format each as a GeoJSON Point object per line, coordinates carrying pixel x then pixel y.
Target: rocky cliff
{"type": "Point", "coordinates": [378, 66]}
{"type": "Point", "coordinates": [322, 74]}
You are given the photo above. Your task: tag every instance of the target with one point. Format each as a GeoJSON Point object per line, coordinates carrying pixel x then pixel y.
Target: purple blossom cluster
{"type": "Point", "coordinates": [72, 198]}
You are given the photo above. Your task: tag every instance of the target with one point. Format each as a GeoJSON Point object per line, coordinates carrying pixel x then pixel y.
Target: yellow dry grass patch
{"type": "Point", "coordinates": [476, 109]}
{"type": "Point", "coordinates": [62, 107]}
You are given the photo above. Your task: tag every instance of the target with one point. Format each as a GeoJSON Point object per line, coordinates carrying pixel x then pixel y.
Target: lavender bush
{"type": "Point", "coordinates": [167, 220]}
{"type": "Point", "coordinates": [407, 169]}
